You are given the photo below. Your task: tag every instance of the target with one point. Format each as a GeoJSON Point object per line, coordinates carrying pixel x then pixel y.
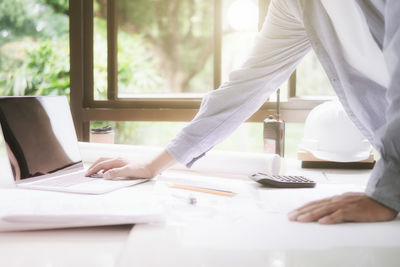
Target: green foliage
{"type": "Point", "coordinates": [34, 47]}
{"type": "Point", "coordinates": [177, 33]}
{"type": "Point", "coordinates": [136, 67]}
{"type": "Point", "coordinates": [45, 71]}
{"type": "Point", "coordinates": [33, 18]}
{"type": "Point", "coordinates": [100, 59]}
{"type": "Point", "coordinates": [15, 19]}
{"type": "Point", "coordinates": [151, 133]}
{"type": "Point", "coordinates": [59, 6]}
{"type": "Point", "coordinates": [100, 124]}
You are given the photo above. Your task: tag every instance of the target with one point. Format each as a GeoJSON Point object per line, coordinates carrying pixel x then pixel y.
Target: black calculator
{"type": "Point", "coordinates": [283, 181]}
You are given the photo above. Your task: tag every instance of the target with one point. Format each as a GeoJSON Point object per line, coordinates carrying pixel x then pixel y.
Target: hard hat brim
{"type": "Point", "coordinates": [338, 157]}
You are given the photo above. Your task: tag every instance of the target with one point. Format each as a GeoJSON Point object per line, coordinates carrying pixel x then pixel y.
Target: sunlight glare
{"type": "Point", "coordinates": [243, 15]}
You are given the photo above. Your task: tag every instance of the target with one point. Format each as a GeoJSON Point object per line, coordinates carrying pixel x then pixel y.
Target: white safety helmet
{"type": "Point", "coordinates": [330, 135]}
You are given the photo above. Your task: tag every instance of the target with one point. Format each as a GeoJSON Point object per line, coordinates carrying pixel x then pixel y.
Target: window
{"type": "Point", "coordinates": [139, 63]}
{"type": "Point", "coordinates": [311, 79]}
{"type": "Point", "coordinates": [143, 65]}
{"type": "Point", "coordinates": [163, 47]}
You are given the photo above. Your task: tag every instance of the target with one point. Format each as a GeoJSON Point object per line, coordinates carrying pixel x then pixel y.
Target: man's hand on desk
{"type": "Point", "coordinates": [118, 167]}
{"type": "Point", "coordinates": [348, 207]}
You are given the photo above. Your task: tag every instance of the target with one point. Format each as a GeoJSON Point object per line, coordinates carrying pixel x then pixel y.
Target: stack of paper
{"type": "Point", "coordinates": [30, 209]}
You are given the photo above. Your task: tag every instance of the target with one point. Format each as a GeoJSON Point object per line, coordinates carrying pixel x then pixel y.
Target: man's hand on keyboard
{"type": "Point", "coordinates": [113, 168]}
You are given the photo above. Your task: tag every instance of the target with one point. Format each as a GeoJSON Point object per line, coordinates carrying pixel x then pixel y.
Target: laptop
{"type": "Point", "coordinates": [42, 147]}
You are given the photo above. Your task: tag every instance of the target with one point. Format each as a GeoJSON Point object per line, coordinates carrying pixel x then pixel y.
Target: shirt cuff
{"type": "Point", "coordinates": [183, 151]}
{"type": "Point", "coordinates": [384, 184]}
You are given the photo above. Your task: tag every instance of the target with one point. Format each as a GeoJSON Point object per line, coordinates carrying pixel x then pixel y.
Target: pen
{"type": "Point", "coordinates": [203, 190]}
{"type": "Point", "coordinates": [190, 199]}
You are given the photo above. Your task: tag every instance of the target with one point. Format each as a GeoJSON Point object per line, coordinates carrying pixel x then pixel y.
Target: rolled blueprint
{"type": "Point", "coordinates": [238, 162]}
{"type": "Point", "coordinates": [241, 163]}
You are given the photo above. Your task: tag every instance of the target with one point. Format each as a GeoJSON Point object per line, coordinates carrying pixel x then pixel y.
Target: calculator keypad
{"type": "Point", "coordinates": [286, 181]}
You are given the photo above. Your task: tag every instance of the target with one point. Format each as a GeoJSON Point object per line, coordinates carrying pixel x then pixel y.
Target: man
{"type": "Point", "coordinates": [358, 44]}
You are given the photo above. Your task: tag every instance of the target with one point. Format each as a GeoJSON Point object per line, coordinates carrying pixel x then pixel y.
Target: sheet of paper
{"type": "Point", "coordinates": [266, 231]}
{"type": "Point", "coordinates": [249, 195]}
{"type": "Point", "coordinates": [285, 200]}
{"type": "Point", "coordinates": [252, 228]}
{"type": "Point", "coordinates": [33, 209]}
{"type": "Point", "coordinates": [256, 218]}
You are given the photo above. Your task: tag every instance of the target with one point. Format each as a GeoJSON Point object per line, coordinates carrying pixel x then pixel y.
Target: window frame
{"type": "Point", "coordinates": [158, 108]}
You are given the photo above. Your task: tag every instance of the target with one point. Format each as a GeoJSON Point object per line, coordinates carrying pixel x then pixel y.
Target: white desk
{"type": "Point", "coordinates": [97, 246]}
{"type": "Point", "coordinates": [217, 231]}
{"type": "Point", "coordinates": [257, 233]}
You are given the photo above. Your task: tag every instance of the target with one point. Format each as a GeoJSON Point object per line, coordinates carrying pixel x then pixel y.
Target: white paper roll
{"type": "Point", "coordinates": [238, 162]}
{"type": "Point", "coordinates": [241, 163]}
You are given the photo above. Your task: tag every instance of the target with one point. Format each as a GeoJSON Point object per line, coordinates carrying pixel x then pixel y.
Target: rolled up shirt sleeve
{"type": "Point", "coordinates": [279, 46]}
{"type": "Point", "coordinates": [384, 184]}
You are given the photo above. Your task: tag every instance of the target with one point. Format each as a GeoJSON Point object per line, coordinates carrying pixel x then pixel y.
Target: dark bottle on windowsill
{"type": "Point", "coordinates": [274, 132]}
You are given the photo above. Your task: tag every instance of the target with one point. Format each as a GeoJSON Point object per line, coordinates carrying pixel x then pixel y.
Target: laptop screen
{"type": "Point", "coordinates": [40, 136]}
{"type": "Point", "coordinates": [6, 178]}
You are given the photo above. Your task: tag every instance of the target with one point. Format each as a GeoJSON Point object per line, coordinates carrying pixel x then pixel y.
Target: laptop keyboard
{"type": "Point", "coordinates": [65, 181]}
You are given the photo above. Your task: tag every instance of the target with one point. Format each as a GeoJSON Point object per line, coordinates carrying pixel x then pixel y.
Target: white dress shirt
{"type": "Point", "coordinates": [360, 57]}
